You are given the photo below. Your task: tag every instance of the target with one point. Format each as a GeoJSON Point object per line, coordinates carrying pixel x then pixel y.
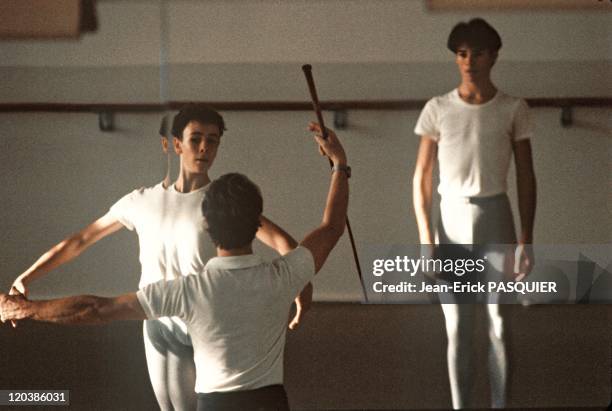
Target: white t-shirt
{"type": "Point", "coordinates": [236, 312]}
{"type": "Point", "coordinates": [171, 234]}
{"type": "Point", "coordinates": [474, 141]}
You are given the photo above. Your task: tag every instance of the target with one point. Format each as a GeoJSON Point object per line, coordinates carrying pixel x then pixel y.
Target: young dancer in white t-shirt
{"type": "Point", "coordinates": [173, 243]}
{"type": "Point", "coordinates": [473, 131]}
{"type": "Point", "coordinates": [236, 308]}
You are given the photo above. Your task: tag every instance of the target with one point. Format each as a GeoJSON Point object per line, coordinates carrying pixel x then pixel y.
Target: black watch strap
{"type": "Point", "coordinates": [345, 169]}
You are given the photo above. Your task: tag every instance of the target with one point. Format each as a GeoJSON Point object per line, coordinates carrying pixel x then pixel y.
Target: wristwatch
{"type": "Point", "coordinates": [346, 169]}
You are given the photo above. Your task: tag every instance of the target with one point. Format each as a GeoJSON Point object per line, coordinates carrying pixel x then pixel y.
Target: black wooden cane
{"type": "Point", "coordinates": [307, 69]}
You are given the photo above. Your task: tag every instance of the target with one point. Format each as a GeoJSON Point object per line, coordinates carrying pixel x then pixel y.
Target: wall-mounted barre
{"type": "Point", "coordinates": [329, 105]}
{"type": "Point", "coordinates": [339, 106]}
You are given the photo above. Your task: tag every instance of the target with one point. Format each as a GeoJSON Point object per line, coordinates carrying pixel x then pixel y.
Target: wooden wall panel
{"type": "Point", "coordinates": [457, 5]}
{"type": "Point", "coordinates": [33, 19]}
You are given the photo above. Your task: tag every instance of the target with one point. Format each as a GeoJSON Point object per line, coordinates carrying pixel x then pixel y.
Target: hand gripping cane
{"type": "Point", "coordinates": [307, 68]}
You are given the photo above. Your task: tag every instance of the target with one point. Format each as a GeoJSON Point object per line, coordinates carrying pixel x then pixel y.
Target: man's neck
{"type": "Point", "coordinates": [186, 183]}
{"type": "Point", "coordinates": [222, 252]}
{"type": "Point", "coordinates": [477, 92]}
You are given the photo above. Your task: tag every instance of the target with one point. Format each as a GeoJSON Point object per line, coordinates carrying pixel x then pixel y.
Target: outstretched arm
{"type": "Point", "coordinates": [65, 251]}
{"type": "Point", "coordinates": [82, 309]}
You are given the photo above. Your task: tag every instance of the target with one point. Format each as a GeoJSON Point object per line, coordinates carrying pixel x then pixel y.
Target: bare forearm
{"type": "Point", "coordinates": [324, 238]}
{"type": "Point", "coordinates": [61, 253]}
{"type": "Point", "coordinates": [71, 247]}
{"type": "Point", "coordinates": [422, 197]}
{"type": "Point", "coordinates": [526, 188]}
{"type": "Point", "coordinates": [527, 200]}
{"type": "Point", "coordinates": [83, 309]}
{"type": "Point", "coordinates": [336, 206]}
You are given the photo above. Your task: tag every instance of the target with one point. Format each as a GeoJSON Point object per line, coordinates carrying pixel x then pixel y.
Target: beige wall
{"type": "Point", "coordinates": [319, 31]}
{"type": "Point", "coordinates": [60, 172]}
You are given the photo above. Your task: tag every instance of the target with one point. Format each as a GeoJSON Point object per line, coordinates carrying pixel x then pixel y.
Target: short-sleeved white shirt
{"type": "Point", "coordinates": [171, 234]}
{"type": "Point", "coordinates": [474, 141]}
{"type": "Point", "coordinates": [236, 312]}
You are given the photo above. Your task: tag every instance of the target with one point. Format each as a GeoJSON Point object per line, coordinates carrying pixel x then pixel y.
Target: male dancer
{"type": "Point", "coordinates": [172, 243]}
{"type": "Point", "coordinates": [236, 308]}
{"type": "Point", "coordinates": [473, 131]}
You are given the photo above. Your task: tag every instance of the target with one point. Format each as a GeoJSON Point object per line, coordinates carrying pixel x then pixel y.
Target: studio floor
{"type": "Point", "coordinates": [345, 356]}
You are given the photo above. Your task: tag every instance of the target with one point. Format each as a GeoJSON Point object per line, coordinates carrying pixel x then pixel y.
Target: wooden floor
{"type": "Point", "coordinates": [346, 356]}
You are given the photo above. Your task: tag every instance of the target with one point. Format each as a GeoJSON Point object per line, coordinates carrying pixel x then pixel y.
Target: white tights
{"type": "Point", "coordinates": [172, 376]}
{"type": "Point", "coordinates": [459, 320]}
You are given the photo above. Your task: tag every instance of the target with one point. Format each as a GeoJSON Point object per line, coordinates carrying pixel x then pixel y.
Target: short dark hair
{"type": "Point", "coordinates": [232, 208]}
{"type": "Point", "coordinates": [476, 33]}
{"type": "Point", "coordinates": [163, 127]}
{"type": "Point", "coordinates": [196, 112]}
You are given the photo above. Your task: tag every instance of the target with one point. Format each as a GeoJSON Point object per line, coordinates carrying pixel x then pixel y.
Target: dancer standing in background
{"type": "Point", "coordinates": [473, 131]}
